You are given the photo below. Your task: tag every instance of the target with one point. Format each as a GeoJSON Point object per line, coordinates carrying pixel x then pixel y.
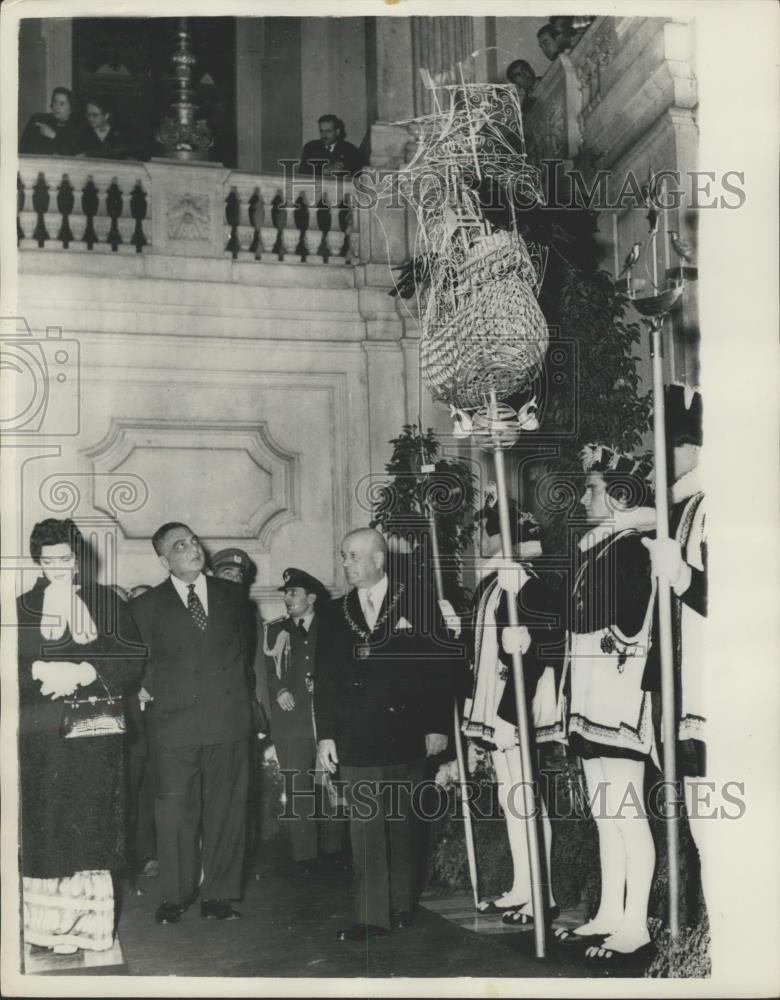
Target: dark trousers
{"type": "Point", "coordinates": [144, 796]}
{"type": "Point", "coordinates": [380, 833]}
{"type": "Point", "coordinates": [308, 806]}
{"type": "Point", "coordinates": [201, 790]}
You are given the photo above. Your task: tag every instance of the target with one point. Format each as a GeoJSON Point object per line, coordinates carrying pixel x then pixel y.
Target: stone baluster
{"type": "Point", "coordinates": [324, 222]}
{"type": "Point", "coordinates": [65, 202]}
{"type": "Point", "coordinates": [40, 201]}
{"type": "Point", "coordinates": [256, 219]}
{"type": "Point", "coordinates": [114, 202]}
{"type": "Point", "coordinates": [138, 209]}
{"type": "Point", "coordinates": [89, 206]}
{"type": "Point", "coordinates": [345, 224]}
{"type": "Point", "coordinates": [232, 217]}
{"type": "Point", "coordinates": [279, 221]}
{"type": "Point", "coordinates": [20, 196]}
{"type": "Point", "coordinates": [301, 220]}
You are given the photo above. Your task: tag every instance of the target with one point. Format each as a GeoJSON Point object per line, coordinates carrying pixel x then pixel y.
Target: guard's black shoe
{"type": "Point", "coordinates": [169, 913]}
{"type": "Point", "coordinates": [219, 909]}
{"type": "Point", "coordinates": [401, 920]}
{"type": "Point", "coordinates": [360, 932]}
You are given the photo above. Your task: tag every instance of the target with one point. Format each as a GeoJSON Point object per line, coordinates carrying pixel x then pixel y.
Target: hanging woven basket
{"type": "Point", "coordinates": [489, 332]}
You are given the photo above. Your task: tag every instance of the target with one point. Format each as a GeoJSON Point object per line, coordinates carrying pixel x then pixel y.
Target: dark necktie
{"type": "Point", "coordinates": [302, 628]}
{"type": "Point", "coordinates": [195, 608]}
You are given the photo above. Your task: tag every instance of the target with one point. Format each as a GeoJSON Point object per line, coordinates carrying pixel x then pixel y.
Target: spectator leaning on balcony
{"type": "Point", "coordinates": [331, 155]}
{"type": "Point", "coordinates": [54, 134]}
{"type": "Point", "coordinates": [100, 138]}
{"type": "Point", "coordinates": [521, 74]}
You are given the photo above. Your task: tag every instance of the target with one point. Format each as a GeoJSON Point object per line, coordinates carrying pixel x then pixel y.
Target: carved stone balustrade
{"type": "Point", "coordinates": [82, 204]}
{"type": "Point", "coordinates": [276, 218]}
{"type": "Point", "coordinates": [191, 210]}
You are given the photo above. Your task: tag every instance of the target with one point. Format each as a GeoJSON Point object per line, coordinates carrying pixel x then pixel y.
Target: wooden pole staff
{"type": "Point", "coordinates": [468, 829]}
{"type": "Point", "coordinates": [529, 806]}
{"type": "Point", "coordinates": [665, 632]}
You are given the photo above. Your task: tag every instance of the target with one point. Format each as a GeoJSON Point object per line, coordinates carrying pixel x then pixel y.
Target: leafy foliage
{"type": "Point", "coordinates": [403, 504]}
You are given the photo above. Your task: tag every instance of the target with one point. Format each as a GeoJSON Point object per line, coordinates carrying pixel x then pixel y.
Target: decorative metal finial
{"type": "Point", "coordinates": [183, 137]}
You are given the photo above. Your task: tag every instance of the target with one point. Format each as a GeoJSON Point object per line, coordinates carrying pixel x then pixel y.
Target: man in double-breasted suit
{"type": "Point", "coordinates": [382, 699]}
{"type": "Point", "coordinates": [198, 637]}
{"type": "Point", "coordinates": [288, 646]}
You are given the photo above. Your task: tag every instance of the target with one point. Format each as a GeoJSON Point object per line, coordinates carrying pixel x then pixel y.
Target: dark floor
{"type": "Point", "coordinates": [289, 928]}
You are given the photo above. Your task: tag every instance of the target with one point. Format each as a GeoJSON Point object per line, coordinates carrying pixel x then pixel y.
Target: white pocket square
{"type": "Point", "coordinates": [402, 625]}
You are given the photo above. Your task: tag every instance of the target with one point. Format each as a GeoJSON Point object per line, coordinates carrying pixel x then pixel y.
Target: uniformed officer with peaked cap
{"type": "Point", "coordinates": [289, 644]}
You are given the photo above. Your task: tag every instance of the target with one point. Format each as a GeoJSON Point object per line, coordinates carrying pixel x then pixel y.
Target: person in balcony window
{"type": "Point", "coordinates": [331, 155]}
{"type": "Point", "coordinates": [549, 41]}
{"type": "Point", "coordinates": [55, 134]}
{"type": "Point", "coordinates": [521, 74]}
{"type": "Point", "coordinates": [100, 138]}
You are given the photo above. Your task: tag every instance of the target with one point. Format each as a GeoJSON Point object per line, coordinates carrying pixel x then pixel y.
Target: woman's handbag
{"type": "Point", "coordinates": [93, 716]}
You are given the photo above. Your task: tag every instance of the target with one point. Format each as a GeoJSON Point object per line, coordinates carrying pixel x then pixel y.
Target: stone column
{"type": "Point", "coordinates": [57, 33]}
{"type": "Point", "coordinates": [438, 45]}
{"type": "Point", "coordinates": [389, 60]}
{"type": "Point", "coordinates": [250, 32]}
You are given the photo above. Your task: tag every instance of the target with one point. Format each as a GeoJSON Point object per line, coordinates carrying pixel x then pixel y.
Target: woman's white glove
{"type": "Point", "coordinates": [61, 678]}
{"type": "Point", "coordinates": [515, 639]}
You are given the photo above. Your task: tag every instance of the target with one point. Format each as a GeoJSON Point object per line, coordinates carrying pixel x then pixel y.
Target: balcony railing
{"type": "Point", "coordinates": [163, 207]}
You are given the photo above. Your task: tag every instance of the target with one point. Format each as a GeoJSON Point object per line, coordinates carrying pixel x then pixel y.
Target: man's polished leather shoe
{"type": "Point", "coordinates": [219, 909]}
{"type": "Point", "coordinates": [169, 913]}
{"type": "Point", "coordinates": [360, 932]}
{"type": "Point", "coordinates": [401, 920]}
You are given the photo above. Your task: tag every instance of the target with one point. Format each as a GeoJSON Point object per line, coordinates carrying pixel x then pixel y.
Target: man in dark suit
{"type": "Point", "coordinates": [289, 645]}
{"type": "Point", "coordinates": [198, 638]}
{"type": "Point", "coordinates": [331, 155]}
{"type": "Point", "coordinates": [382, 697]}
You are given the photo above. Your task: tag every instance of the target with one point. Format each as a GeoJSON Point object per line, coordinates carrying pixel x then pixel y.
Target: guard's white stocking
{"type": "Point", "coordinates": [515, 828]}
{"type": "Point", "coordinates": [516, 807]}
{"type": "Point", "coordinates": [612, 857]}
{"type": "Point", "coordinates": [625, 801]}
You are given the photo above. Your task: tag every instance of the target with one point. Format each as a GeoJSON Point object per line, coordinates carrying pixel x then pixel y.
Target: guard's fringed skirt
{"type": "Point", "coordinates": [77, 910]}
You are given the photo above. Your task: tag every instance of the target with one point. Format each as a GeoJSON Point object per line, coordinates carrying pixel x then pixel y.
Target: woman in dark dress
{"type": "Point", "coordinates": [54, 134]}
{"type": "Point", "coordinates": [608, 717]}
{"type": "Point", "coordinates": [73, 641]}
{"type": "Point", "coordinates": [100, 138]}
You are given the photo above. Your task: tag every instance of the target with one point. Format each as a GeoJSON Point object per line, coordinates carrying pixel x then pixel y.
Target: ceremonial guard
{"type": "Point", "coordinates": [490, 714]}
{"type": "Point", "coordinates": [289, 649]}
{"type": "Point", "coordinates": [607, 712]}
{"type": "Point", "coordinates": [382, 698]}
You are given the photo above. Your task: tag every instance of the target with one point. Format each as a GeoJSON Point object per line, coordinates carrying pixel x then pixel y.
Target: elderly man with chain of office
{"type": "Point", "coordinates": [383, 697]}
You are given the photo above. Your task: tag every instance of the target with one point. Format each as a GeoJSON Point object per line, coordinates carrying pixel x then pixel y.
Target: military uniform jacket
{"type": "Point", "coordinates": [378, 696]}
{"type": "Point", "coordinates": [289, 669]}
{"type": "Point", "coordinates": [198, 679]}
